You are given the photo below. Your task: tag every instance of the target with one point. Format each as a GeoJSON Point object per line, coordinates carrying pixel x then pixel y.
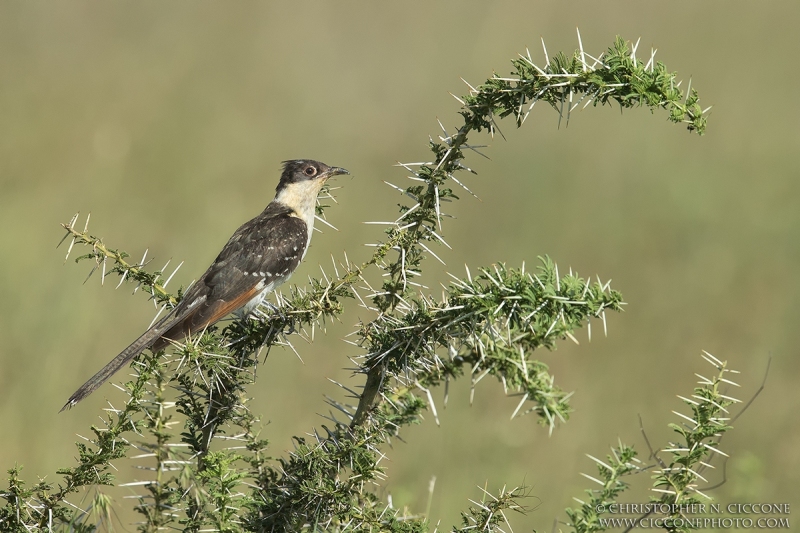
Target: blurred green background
{"type": "Point", "coordinates": [168, 122]}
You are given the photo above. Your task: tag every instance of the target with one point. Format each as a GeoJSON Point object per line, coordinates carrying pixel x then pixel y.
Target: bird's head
{"type": "Point", "coordinates": [301, 182]}
{"type": "Point", "coordinates": [307, 173]}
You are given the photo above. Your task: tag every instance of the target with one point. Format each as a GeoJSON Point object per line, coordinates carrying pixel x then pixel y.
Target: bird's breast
{"type": "Point", "coordinates": [264, 288]}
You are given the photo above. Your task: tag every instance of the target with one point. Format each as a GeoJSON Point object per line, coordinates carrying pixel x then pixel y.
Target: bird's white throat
{"type": "Point", "coordinates": [301, 197]}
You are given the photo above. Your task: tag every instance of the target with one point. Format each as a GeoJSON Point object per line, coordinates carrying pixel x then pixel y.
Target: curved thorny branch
{"type": "Point", "coordinates": [488, 324]}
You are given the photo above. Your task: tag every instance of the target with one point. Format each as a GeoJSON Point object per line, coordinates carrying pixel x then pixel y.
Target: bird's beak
{"type": "Point", "coordinates": [336, 171]}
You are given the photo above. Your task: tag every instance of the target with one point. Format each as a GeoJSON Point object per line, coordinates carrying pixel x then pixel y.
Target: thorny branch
{"type": "Point", "coordinates": [489, 325]}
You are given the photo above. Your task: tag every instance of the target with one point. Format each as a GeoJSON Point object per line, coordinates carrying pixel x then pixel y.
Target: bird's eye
{"type": "Point", "coordinates": [310, 171]}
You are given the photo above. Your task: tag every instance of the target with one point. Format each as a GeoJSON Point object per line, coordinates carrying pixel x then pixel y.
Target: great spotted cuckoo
{"type": "Point", "coordinates": [260, 256]}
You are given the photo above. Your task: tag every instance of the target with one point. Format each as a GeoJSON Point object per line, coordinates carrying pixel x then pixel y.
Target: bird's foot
{"type": "Point", "coordinates": [280, 315]}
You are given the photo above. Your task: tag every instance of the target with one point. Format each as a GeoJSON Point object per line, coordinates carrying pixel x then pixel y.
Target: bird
{"type": "Point", "coordinates": [260, 256]}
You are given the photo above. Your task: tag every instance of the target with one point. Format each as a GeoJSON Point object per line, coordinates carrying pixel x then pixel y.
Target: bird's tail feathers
{"type": "Point", "coordinates": [145, 341]}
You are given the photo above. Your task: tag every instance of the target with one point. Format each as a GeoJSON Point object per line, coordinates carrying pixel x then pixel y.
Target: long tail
{"type": "Point", "coordinates": [144, 342]}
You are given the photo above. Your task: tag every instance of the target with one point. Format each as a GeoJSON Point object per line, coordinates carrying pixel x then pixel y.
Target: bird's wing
{"type": "Point", "coordinates": [262, 253]}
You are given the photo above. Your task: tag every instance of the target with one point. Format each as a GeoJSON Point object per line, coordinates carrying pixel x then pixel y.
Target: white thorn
{"type": "Point", "coordinates": [580, 45]}
{"type": "Point", "coordinates": [546, 58]}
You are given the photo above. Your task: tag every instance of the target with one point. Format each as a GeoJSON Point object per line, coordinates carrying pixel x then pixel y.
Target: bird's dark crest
{"type": "Point", "coordinates": [294, 171]}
